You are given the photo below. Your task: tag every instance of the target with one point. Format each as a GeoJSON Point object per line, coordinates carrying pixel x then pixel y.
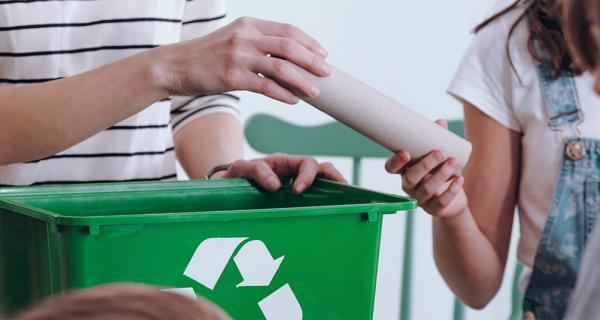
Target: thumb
{"type": "Point", "coordinates": [442, 123]}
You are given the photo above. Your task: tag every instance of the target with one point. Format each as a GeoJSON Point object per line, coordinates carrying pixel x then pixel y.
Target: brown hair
{"type": "Point", "coordinates": [577, 18]}
{"type": "Point", "coordinates": [123, 301]}
{"type": "Point", "coordinates": [545, 33]}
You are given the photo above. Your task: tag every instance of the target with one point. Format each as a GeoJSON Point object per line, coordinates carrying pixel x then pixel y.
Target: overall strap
{"type": "Point", "coordinates": [562, 101]}
{"type": "Point", "coordinates": [557, 256]}
{"type": "Point", "coordinates": [563, 109]}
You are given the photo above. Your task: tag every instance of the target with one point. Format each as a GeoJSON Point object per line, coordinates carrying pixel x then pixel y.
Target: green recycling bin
{"type": "Point", "coordinates": [256, 254]}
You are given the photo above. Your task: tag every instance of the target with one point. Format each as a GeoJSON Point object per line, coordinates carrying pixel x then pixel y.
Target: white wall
{"type": "Point", "coordinates": [409, 50]}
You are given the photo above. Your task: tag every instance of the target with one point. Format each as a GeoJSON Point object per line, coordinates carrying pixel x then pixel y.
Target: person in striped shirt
{"type": "Point", "coordinates": [106, 90]}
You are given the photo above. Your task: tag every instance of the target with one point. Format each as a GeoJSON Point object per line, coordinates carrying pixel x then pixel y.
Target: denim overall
{"type": "Point", "coordinates": [573, 208]}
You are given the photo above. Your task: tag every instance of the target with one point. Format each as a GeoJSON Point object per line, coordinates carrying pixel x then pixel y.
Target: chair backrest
{"type": "Point", "coordinates": [268, 134]}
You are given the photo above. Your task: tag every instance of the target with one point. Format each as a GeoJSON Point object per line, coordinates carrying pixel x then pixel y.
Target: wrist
{"type": "Point", "coordinates": [159, 67]}
{"type": "Point", "coordinates": [454, 219]}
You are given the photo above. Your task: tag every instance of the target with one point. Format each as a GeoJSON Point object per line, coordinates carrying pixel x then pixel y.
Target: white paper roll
{"type": "Point", "coordinates": [382, 119]}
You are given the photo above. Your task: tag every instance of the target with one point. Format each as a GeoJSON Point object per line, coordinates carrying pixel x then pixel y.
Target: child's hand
{"type": "Point", "coordinates": [432, 181]}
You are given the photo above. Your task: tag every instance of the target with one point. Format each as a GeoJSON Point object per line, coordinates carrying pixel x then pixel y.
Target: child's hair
{"type": "Point", "coordinates": [123, 301]}
{"type": "Point", "coordinates": [543, 19]}
{"type": "Point", "coordinates": [578, 16]}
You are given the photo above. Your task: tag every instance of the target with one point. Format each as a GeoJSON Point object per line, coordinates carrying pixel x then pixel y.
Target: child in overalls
{"type": "Point", "coordinates": [581, 21]}
{"type": "Point", "coordinates": [532, 118]}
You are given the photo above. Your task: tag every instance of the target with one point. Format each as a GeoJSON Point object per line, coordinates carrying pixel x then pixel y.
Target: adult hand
{"type": "Point", "coordinates": [266, 171]}
{"type": "Point", "coordinates": [248, 54]}
{"type": "Point", "coordinates": [432, 181]}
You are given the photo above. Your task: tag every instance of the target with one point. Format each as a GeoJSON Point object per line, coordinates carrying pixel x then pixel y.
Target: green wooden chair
{"type": "Point", "coordinates": [268, 134]}
{"type": "Point", "coordinates": [516, 311]}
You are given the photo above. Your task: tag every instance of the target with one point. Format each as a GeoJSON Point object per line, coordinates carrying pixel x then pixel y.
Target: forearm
{"type": "Point", "coordinates": [467, 259]}
{"type": "Point", "coordinates": [209, 141]}
{"type": "Point", "coordinates": [471, 251]}
{"type": "Point", "coordinates": [472, 214]}
{"type": "Point", "coordinates": [40, 120]}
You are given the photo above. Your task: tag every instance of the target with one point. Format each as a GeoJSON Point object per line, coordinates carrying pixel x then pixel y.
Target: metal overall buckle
{"type": "Point", "coordinates": [575, 149]}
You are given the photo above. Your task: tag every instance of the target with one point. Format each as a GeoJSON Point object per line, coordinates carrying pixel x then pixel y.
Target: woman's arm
{"type": "Point", "coordinates": [212, 140]}
{"type": "Point", "coordinates": [471, 238]}
{"type": "Point", "coordinates": [218, 139]}
{"type": "Point", "coordinates": [40, 120]}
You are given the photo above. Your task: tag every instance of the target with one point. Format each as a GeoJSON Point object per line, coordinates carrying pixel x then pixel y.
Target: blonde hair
{"type": "Point", "coordinates": [123, 301]}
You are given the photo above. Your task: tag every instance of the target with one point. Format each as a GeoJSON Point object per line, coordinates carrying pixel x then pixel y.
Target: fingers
{"type": "Point", "coordinates": [432, 181]}
{"type": "Point", "coordinates": [431, 186]}
{"type": "Point", "coordinates": [444, 200]}
{"type": "Point", "coordinates": [397, 162]}
{"type": "Point", "coordinates": [307, 172]}
{"type": "Point", "coordinates": [442, 123]}
{"type": "Point", "coordinates": [282, 71]}
{"type": "Point", "coordinates": [265, 172]}
{"type": "Point", "coordinates": [259, 171]}
{"type": "Point", "coordinates": [305, 169]}
{"type": "Point", "coordinates": [278, 53]}
{"type": "Point", "coordinates": [255, 83]}
{"type": "Point", "coordinates": [289, 31]}
{"type": "Point", "coordinates": [293, 51]}
{"type": "Point", "coordinates": [413, 177]}
{"type": "Point", "coordinates": [328, 171]}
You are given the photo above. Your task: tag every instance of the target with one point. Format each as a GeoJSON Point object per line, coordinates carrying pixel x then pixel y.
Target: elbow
{"type": "Point", "coordinates": [477, 303]}
{"type": "Point", "coordinates": [477, 297]}
{"type": "Point", "coordinates": [474, 290]}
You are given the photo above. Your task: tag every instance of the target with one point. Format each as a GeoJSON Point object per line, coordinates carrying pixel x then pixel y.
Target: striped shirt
{"type": "Point", "coordinates": [43, 40]}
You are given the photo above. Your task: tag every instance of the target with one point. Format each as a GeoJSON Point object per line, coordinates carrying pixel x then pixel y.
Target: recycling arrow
{"type": "Point", "coordinates": [210, 259]}
{"type": "Point", "coordinates": [256, 264]}
{"type": "Point", "coordinates": [257, 267]}
{"type": "Point", "coordinates": [281, 304]}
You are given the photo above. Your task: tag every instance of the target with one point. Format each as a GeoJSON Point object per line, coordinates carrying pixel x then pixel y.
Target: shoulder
{"type": "Point", "coordinates": [507, 31]}
{"type": "Point", "coordinates": [485, 76]}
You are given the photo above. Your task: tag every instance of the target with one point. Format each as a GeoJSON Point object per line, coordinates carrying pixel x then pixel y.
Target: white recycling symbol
{"type": "Point", "coordinates": [256, 265]}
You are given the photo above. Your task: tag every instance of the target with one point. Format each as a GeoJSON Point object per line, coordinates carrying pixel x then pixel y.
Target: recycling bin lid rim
{"type": "Point", "coordinates": [206, 216]}
{"type": "Point", "coordinates": [6, 202]}
{"type": "Point", "coordinates": [84, 188]}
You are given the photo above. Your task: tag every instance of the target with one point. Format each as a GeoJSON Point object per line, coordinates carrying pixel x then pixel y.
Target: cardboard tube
{"type": "Point", "coordinates": [382, 119]}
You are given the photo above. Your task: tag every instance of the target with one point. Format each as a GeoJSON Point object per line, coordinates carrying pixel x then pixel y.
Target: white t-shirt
{"type": "Point", "coordinates": [486, 80]}
{"type": "Point", "coordinates": [45, 40]}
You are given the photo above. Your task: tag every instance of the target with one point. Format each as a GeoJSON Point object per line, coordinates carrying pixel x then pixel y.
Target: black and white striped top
{"type": "Point", "coordinates": [42, 40]}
